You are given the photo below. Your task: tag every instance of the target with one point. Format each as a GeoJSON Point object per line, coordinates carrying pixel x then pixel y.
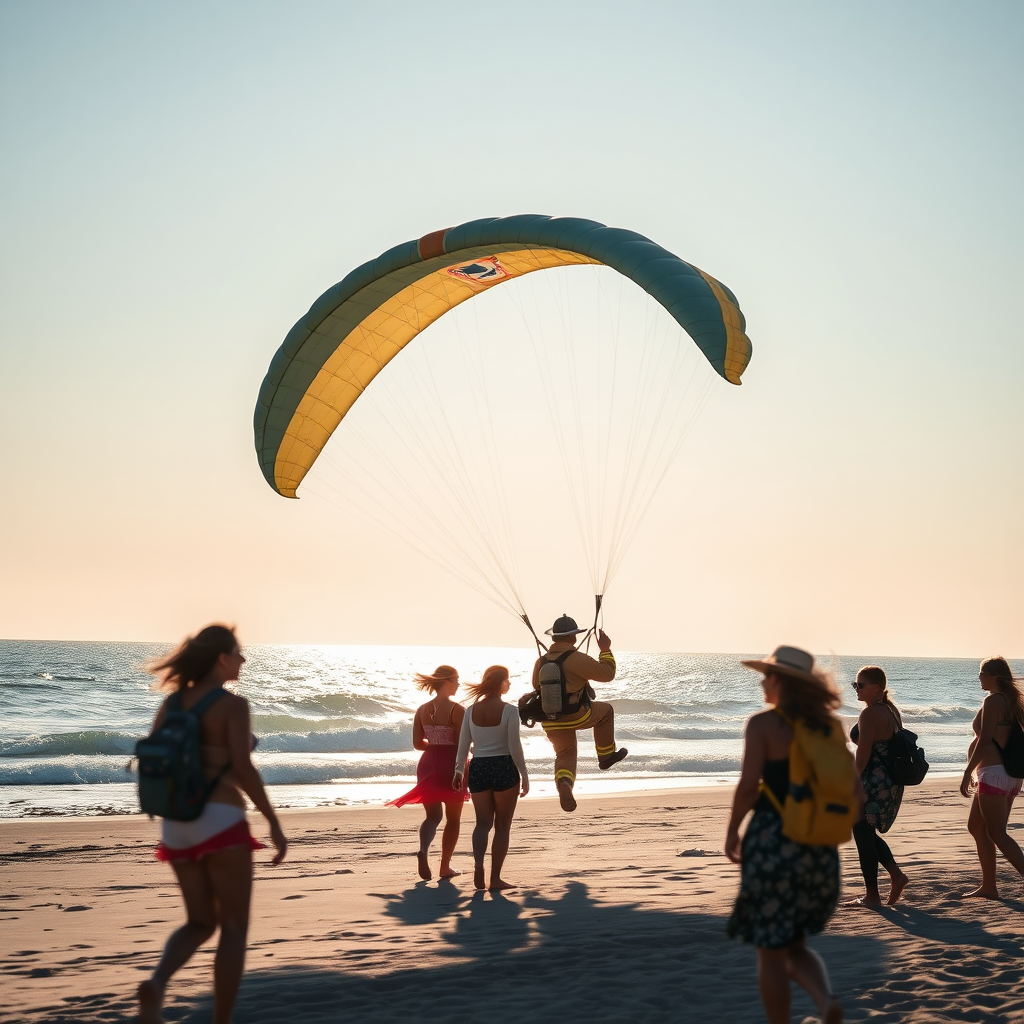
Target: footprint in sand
{"type": "Point", "coordinates": [78, 906]}
{"type": "Point", "coordinates": [300, 896]}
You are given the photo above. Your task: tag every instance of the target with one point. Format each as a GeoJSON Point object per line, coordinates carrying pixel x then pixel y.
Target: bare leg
{"type": "Point", "coordinates": [504, 811]}
{"type": "Point", "coordinates": [773, 983]}
{"type": "Point", "coordinates": [807, 969]}
{"type": "Point", "coordinates": [231, 877]}
{"type": "Point", "coordinates": [897, 883]}
{"type": "Point", "coordinates": [428, 829]}
{"type": "Point", "coordinates": [483, 804]}
{"type": "Point", "coordinates": [978, 828]}
{"type": "Point", "coordinates": [450, 837]}
{"type": "Point", "coordinates": [996, 812]}
{"type": "Point", "coordinates": [201, 912]}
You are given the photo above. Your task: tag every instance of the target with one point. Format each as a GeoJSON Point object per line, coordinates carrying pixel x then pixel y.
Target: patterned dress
{"type": "Point", "coordinates": [883, 795]}
{"type": "Point", "coordinates": [788, 890]}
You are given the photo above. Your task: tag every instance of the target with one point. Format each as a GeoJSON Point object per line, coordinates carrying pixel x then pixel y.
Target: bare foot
{"type": "Point", "coordinates": [899, 883]}
{"type": "Point", "coordinates": [863, 903]}
{"type": "Point", "coordinates": [833, 1014]}
{"type": "Point", "coordinates": [151, 998]}
{"type": "Point", "coordinates": [478, 878]}
{"type": "Point", "coordinates": [448, 872]}
{"type": "Point", "coordinates": [981, 893]}
{"type": "Point", "coordinates": [565, 798]}
{"type": "Point", "coordinates": [498, 885]}
{"type": "Point", "coordinates": [424, 865]}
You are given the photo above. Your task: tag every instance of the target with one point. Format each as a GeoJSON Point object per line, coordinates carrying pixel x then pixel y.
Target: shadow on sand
{"type": "Point", "coordinates": [538, 958]}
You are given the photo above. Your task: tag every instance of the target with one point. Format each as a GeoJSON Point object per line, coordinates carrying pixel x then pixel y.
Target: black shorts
{"type": "Point", "coordinates": [497, 773]}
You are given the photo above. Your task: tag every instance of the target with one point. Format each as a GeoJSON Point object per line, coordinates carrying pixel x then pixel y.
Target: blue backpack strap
{"type": "Point", "coordinates": [202, 706]}
{"type": "Point", "coordinates": [199, 710]}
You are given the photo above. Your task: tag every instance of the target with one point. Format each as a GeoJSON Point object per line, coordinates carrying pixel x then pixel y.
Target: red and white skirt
{"type": "Point", "coordinates": [219, 827]}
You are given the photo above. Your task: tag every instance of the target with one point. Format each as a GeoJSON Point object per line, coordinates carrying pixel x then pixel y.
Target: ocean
{"type": "Point", "coordinates": [335, 723]}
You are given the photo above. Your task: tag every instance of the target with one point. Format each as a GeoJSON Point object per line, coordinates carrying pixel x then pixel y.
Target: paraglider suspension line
{"type": "Point", "coordinates": [536, 639]}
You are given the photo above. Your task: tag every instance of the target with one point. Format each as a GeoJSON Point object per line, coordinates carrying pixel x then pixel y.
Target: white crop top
{"type": "Point", "coordinates": [498, 740]}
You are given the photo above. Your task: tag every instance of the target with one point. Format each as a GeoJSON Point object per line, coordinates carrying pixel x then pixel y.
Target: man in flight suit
{"type": "Point", "coordinates": [578, 669]}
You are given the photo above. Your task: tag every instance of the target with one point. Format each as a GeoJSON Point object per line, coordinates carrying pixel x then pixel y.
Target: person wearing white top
{"type": "Point", "coordinates": [497, 775]}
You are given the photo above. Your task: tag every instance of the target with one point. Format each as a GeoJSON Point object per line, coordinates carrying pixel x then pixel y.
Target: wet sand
{"type": "Point", "coordinates": [619, 916]}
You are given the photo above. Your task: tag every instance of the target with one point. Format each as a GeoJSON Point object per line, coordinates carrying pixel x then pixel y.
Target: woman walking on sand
{"type": "Point", "coordinates": [788, 890]}
{"type": "Point", "coordinates": [497, 774]}
{"type": "Point", "coordinates": [986, 777]}
{"type": "Point", "coordinates": [435, 731]}
{"type": "Point", "coordinates": [212, 855]}
{"type": "Point", "coordinates": [878, 724]}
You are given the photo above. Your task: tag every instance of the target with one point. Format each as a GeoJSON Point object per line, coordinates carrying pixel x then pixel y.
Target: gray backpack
{"type": "Point", "coordinates": [554, 700]}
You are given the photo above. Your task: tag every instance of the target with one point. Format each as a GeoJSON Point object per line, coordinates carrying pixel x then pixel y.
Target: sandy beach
{"type": "Point", "coordinates": [620, 916]}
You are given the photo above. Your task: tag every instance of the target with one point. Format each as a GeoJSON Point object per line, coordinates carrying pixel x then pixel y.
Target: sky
{"type": "Point", "coordinates": [181, 181]}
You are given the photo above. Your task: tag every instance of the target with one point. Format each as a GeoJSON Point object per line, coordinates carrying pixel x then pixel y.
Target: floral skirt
{"type": "Point", "coordinates": [787, 890]}
{"type": "Point", "coordinates": [434, 776]}
{"type": "Point", "coordinates": [883, 795]}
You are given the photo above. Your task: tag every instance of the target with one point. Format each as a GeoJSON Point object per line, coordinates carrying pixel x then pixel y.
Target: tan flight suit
{"type": "Point", "coordinates": [579, 669]}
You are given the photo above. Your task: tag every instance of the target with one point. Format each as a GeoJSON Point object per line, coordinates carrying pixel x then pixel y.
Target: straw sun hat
{"type": "Point", "coordinates": [787, 661]}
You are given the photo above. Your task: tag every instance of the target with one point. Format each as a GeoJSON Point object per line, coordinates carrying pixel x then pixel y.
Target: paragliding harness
{"type": "Point", "coordinates": [172, 783]}
{"type": "Point", "coordinates": [551, 700]}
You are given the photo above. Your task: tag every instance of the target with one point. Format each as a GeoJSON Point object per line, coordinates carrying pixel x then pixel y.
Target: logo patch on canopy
{"type": "Point", "coordinates": [486, 270]}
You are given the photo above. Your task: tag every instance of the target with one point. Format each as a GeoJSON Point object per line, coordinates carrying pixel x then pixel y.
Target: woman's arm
{"type": "Point", "coordinates": [866, 726]}
{"type": "Point", "coordinates": [239, 746]}
{"type": "Point", "coordinates": [419, 738]}
{"type": "Point", "coordinates": [747, 789]}
{"type": "Point", "coordinates": [515, 748]}
{"type": "Point", "coordinates": [465, 737]}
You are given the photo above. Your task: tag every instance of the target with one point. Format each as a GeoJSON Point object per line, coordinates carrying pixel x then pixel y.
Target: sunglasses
{"type": "Point", "coordinates": [861, 686]}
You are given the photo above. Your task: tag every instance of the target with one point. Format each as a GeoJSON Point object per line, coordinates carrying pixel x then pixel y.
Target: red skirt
{"type": "Point", "coordinates": [434, 776]}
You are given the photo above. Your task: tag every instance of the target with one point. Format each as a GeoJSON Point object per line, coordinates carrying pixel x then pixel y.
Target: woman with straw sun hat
{"type": "Point", "coordinates": [788, 890]}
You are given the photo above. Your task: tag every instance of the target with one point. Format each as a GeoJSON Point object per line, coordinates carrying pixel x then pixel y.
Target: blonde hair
{"type": "Point", "coordinates": [999, 668]}
{"type": "Point", "coordinates": [812, 700]}
{"type": "Point", "coordinates": [441, 675]}
{"type": "Point", "coordinates": [490, 683]}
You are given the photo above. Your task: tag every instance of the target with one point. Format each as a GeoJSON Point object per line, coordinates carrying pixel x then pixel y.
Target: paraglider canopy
{"type": "Point", "coordinates": [360, 324]}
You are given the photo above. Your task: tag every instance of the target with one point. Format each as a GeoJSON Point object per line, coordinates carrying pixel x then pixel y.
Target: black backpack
{"type": "Point", "coordinates": [907, 766]}
{"type": "Point", "coordinates": [172, 783]}
{"type": "Point", "coordinates": [1013, 753]}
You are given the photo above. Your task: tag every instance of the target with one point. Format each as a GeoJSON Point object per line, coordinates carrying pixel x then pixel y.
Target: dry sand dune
{"type": "Point", "coordinates": [620, 917]}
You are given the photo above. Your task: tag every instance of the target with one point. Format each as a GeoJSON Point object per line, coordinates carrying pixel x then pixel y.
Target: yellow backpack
{"type": "Point", "coordinates": [821, 804]}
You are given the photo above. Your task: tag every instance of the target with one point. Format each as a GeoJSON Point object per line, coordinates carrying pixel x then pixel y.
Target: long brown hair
{"type": "Point", "coordinates": [813, 700]}
{"type": "Point", "coordinates": [432, 683]}
{"type": "Point", "coordinates": [999, 668]}
{"type": "Point", "coordinates": [193, 660]}
{"type": "Point", "coordinates": [490, 683]}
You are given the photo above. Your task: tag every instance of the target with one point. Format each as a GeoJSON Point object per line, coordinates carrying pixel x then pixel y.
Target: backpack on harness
{"type": "Point", "coordinates": [554, 699]}
{"type": "Point", "coordinates": [172, 783]}
{"type": "Point", "coordinates": [821, 804]}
